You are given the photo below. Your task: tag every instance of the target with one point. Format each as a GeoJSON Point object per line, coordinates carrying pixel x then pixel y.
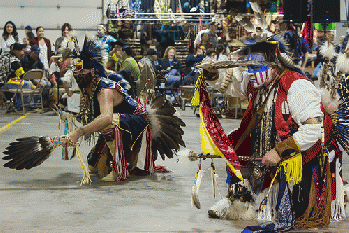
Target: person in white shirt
{"type": "Point", "coordinates": [9, 36]}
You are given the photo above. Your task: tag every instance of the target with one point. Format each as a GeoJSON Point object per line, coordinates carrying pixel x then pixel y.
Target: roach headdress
{"type": "Point", "coordinates": [91, 56]}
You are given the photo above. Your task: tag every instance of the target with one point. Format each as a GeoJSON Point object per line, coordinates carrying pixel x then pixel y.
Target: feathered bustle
{"type": "Point", "coordinates": [165, 128]}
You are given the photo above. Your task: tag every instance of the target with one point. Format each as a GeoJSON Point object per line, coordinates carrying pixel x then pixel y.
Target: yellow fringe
{"type": "Point", "coordinates": [293, 169]}
{"type": "Point", "coordinates": [86, 179]}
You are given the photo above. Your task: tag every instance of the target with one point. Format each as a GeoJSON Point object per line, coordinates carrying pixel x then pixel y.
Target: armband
{"type": "Point", "coordinates": [287, 147]}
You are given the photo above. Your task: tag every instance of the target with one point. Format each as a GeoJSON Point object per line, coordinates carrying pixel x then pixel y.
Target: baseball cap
{"type": "Point", "coordinates": [29, 28]}
{"type": "Point", "coordinates": [18, 46]}
{"type": "Point", "coordinates": [35, 48]}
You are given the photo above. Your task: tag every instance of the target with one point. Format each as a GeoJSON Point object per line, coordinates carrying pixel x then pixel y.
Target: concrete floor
{"type": "Point", "coordinates": [48, 198]}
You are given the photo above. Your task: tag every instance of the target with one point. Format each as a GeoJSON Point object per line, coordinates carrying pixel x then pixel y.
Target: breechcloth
{"type": "Point", "coordinates": [131, 127]}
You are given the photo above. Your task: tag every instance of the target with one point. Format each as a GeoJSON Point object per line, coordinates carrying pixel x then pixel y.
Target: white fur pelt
{"type": "Point", "coordinates": [235, 210]}
{"type": "Point", "coordinates": [268, 213]}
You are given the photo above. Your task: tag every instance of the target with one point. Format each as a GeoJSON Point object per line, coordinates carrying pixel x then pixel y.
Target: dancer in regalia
{"type": "Point", "coordinates": [287, 130]}
{"type": "Point", "coordinates": [130, 136]}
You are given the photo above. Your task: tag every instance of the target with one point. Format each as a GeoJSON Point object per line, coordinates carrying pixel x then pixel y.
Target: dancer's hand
{"type": "Point", "coordinates": [71, 139]}
{"type": "Point", "coordinates": [271, 158]}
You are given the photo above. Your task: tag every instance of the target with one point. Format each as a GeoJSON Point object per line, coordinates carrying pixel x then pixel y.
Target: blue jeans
{"type": "Point", "coordinates": [17, 99]}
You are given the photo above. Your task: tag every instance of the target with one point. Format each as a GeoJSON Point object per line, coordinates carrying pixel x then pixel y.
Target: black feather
{"type": "Point", "coordinates": [166, 128]}
{"type": "Point", "coordinates": [27, 152]}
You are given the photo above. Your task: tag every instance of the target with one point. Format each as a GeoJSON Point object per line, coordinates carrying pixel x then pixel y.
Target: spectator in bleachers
{"type": "Point", "coordinates": [169, 61]}
{"type": "Point", "coordinates": [28, 29]}
{"type": "Point", "coordinates": [44, 45]}
{"type": "Point", "coordinates": [9, 36]}
{"type": "Point", "coordinates": [15, 75]}
{"type": "Point", "coordinates": [211, 34]}
{"type": "Point", "coordinates": [129, 63]}
{"type": "Point", "coordinates": [191, 71]}
{"type": "Point", "coordinates": [173, 66]}
{"type": "Point", "coordinates": [115, 53]}
{"type": "Point", "coordinates": [219, 55]}
{"type": "Point", "coordinates": [104, 41]}
{"type": "Point", "coordinates": [32, 60]}
{"type": "Point", "coordinates": [205, 41]}
{"type": "Point", "coordinates": [151, 59]}
{"type": "Point", "coordinates": [26, 40]}
{"type": "Point", "coordinates": [66, 40]}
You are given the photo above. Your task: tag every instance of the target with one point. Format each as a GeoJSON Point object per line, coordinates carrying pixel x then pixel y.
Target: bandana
{"type": "Point", "coordinates": [260, 75]}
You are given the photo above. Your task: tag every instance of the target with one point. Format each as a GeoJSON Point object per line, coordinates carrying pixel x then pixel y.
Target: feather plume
{"type": "Point", "coordinates": [338, 210]}
{"type": "Point", "coordinates": [330, 104]}
{"type": "Point", "coordinates": [328, 50]}
{"type": "Point", "coordinates": [261, 20]}
{"type": "Point", "coordinates": [238, 18]}
{"type": "Point", "coordinates": [342, 64]}
{"type": "Point", "coordinates": [255, 7]}
{"type": "Point", "coordinates": [195, 190]}
{"type": "Point", "coordinates": [285, 60]}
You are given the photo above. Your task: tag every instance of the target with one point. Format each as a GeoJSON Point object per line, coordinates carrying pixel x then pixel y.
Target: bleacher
{"type": "Point", "coordinates": [182, 50]}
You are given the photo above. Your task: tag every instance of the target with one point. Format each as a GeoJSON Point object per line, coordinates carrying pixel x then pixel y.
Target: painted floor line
{"type": "Point", "coordinates": [4, 128]}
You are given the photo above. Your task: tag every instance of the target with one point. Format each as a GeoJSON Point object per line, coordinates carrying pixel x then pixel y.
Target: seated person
{"type": "Point", "coordinates": [15, 74]}
{"type": "Point", "coordinates": [173, 66]}
{"type": "Point", "coordinates": [151, 59]}
{"type": "Point", "coordinates": [31, 60]}
{"type": "Point", "coordinates": [129, 63]}
{"type": "Point", "coordinates": [191, 60]}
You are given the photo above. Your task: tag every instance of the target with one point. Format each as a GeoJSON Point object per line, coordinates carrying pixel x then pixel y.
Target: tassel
{"type": "Point", "coordinates": [293, 169]}
{"type": "Point", "coordinates": [338, 210]}
{"type": "Point", "coordinates": [149, 158]}
{"type": "Point", "coordinates": [265, 208]}
{"type": "Point", "coordinates": [120, 166]}
{"type": "Point", "coordinates": [264, 211]}
{"type": "Point", "coordinates": [86, 179]}
{"type": "Point", "coordinates": [195, 190]}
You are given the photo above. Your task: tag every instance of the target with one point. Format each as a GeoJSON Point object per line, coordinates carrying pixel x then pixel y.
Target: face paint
{"type": "Point", "coordinates": [263, 75]}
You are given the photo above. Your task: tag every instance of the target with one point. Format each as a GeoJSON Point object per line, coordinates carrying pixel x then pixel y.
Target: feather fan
{"type": "Point", "coordinates": [166, 127]}
{"type": "Point", "coordinates": [29, 152]}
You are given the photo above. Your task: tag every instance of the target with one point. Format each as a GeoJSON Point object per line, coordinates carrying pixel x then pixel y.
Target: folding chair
{"type": "Point", "coordinates": [34, 74]}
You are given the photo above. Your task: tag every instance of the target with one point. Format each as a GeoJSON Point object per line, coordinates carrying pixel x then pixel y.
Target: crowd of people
{"type": "Point", "coordinates": [117, 55]}
{"type": "Point", "coordinates": [286, 131]}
